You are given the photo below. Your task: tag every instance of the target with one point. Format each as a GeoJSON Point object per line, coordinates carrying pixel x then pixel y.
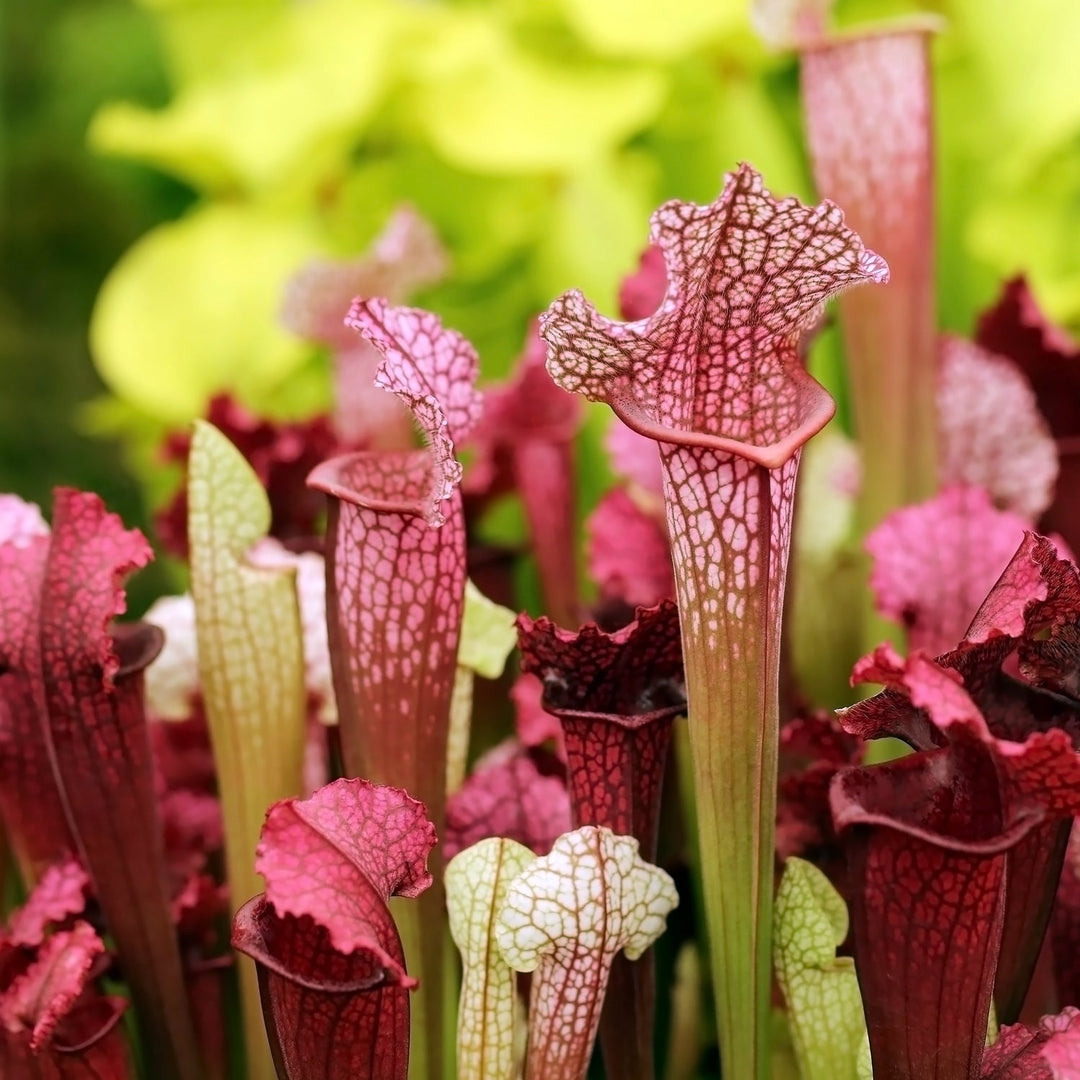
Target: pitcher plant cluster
{"type": "Point", "coordinates": [341, 812]}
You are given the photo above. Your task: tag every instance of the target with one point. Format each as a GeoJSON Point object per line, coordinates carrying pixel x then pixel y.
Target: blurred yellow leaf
{"type": "Point", "coordinates": [483, 220]}
{"type": "Point", "coordinates": [644, 28]}
{"type": "Point", "coordinates": [1025, 61]}
{"type": "Point", "coordinates": [599, 227]}
{"type": "Point", "coordinates": [298, 88]}
{"type": "Point", "coordinates": [1030, 226]}
{"type": "Point", "coordinates": [716, 118]}
{"type": "Point", "coordinates": [192, 309]}
{"type": "Point", "coordinates": [490, 106]}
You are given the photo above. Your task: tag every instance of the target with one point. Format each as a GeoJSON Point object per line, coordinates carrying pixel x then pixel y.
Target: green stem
{"type": "Point", "coordinates": [420, 924]}
{"type": "Point", "coordinates": [731, 582]}
{"type": "Point", "coordinates": [260, 1063]}
{"type": "Point", "coordinates": [734, 748]}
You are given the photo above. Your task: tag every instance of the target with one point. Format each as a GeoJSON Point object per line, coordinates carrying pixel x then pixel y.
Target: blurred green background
{"type": "Point", "coordinates": [167, 164]}
{"type": "Point", "coordinates": [66, 216]}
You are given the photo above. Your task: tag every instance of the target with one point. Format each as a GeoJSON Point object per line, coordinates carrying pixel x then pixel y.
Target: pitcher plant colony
{"type": "Point", "coordinates": [341, 809]}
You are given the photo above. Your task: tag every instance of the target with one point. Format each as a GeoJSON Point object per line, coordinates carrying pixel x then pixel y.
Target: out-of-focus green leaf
{"type": "Point", "coordinates": [490, 226]}
{"type": "Point", "coordinates": [715, 119]}
{"type": "Point", "coordinates": [200, 39]}
{"type": "Point", "coordinates": [599, 227]}
{"type": "Point", "coordinates": [483, 220]}
{"type": "Point", "coordinates": [293, 100]}
{"type": "Point", "coordinates": [595, 477]}
{"type": "Point", "coordinates": [488, 634]}
{"type": "Point", "coordinates": [488, 105]}
{"type": "Point", "coordinates": [193, 5]}
{"type": "Point", "coordinates": [643, 28]}
{"type": "Point", "coordinates": [825, 639]}
{"type": "Point", "coordinates": [192, 309]}
{"type": "Point", "coordinates": [1022, 64]}
{"type": "Point", "coordinates": [1031, 225]}
{"type": "Point", "coordinates": [749, 127]}
{"type": "Point", "coordinates": [1009, 139]}
{"type": "Point", "coordinates": [141, 436]}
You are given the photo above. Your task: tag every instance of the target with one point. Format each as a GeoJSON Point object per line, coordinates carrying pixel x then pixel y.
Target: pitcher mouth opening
{"type": "Point", "coordinates": [385, 481]}
{"type": "Point", "coordinates": [770, 456]}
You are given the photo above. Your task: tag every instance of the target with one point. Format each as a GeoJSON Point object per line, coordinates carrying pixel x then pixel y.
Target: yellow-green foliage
{"type": "Point", "coordinates": [536, 135]}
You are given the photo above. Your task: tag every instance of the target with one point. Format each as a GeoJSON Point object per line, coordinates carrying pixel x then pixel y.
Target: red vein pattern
{"type": "Point", "coordinates": [395, 582]}
{"type": "Point", "coordinates": [1004, 610]}
{"type": "Point", "coordinates": [934, 563]}
{"type": "Point", "coordinates": [395, 573]}
{"type": "Point", "coordinates": [1050, 646]}
{"type": "Point", "coordinates": [405, 256]}
{"type": "Point", "coordinates": [616, 696]}
{"type": "Point", "coordinates": [565, 918]}
{"type": "Point", "coordinates": [326, 1013]}
{"type": "Point", "coordinates": [714, 376]}
{"type": "Point", "coordinates": [1065, 925]}
{"type": "Point", "coordinates": [512, 792]}
{"type": "Point", "coordinates": [53, 1024]}
{"type": "Point", "coordinates": [330, 961]}
{"type": "Point", "coordinates": [1050, 1051]}
{"type": "Point", "coordinates": [926, 838]}
{"type": "Point", "coordinates": [317, 855]}
{"type": "Point", "coordinates": [965, 696]}
{"type": "Point", "coordinates": [30, 801]}
{"type": "Point", "coordinates": [869, 125]}
{"type": "Point", "coordinates": [90, 687]}
{"type": "Point", "coordinates": [433, 371]}
{"type": "Point", "coordinates": [395, 597]}
{"type": "Point", "coordinates": [716, 366]}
